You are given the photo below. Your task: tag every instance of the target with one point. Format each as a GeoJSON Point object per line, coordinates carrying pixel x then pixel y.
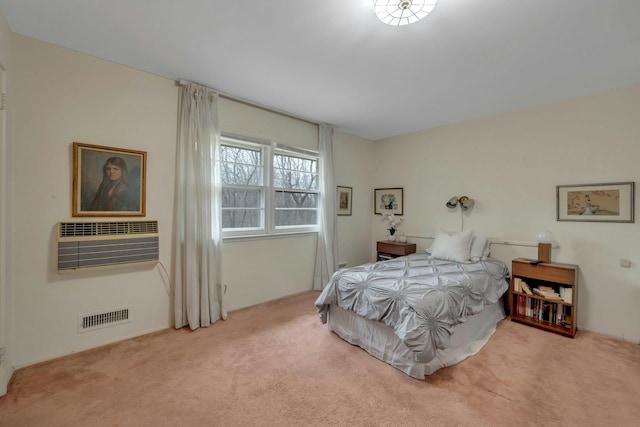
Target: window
{"type": "Point", "coordinates": [242, 177]}
{"type": "Point", "coordinates": [267, 189]}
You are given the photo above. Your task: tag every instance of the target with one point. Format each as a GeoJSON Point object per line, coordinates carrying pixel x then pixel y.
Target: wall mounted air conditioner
{"type": "Point", "coordinates": [90, 245]}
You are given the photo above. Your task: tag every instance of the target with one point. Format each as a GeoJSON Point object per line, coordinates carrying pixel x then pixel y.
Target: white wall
{"type": "Point", "coordinates": [354, 167]}
{"type": "Point", "coordinates": [511, 164]}
{"type": "Point", "coordinates": [6, 367]}
{"type": "Point", "coordinates": [64, 97]}
{"type": "Point", "coordinates": [284, 265]}
{"type": "Point", "coordinates": [262, 269]}
{"type": "Point", "coordinates": [67, 96]}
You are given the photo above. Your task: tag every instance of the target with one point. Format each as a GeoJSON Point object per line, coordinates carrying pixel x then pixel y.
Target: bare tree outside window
{"type": "Point", "coordinates": [241, 174]}
{"type": "Point", "coordinates": [296, 190]}
{"type": "Point", "coordinates": [292, 193]}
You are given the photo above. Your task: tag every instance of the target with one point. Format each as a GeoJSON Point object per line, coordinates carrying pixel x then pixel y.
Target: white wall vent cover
{"type": "Point", "coordinates": [88, 322]}
{"type": "Point", "coordinates": [83, 245]}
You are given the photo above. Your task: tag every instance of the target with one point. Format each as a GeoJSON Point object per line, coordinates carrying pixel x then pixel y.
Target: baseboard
{"type": "Point", "coordinates": [127, 337]}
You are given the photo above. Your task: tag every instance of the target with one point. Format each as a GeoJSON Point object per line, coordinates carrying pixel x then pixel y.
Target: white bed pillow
{"type": "Point", "coordinates": [479, 248]}
{"type": "Point", "coordinates": [452, 247]}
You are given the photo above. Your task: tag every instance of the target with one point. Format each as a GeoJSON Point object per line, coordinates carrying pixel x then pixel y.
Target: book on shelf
{"type": "Point", "coordinates": [525, 287]}
{"type": "Point", "coordinates": [546, 293]}
{"type": "Point", "coordinates": [516, 284]}
{"type": "Point", "coordinates": [566, 294]}
{"type": "Point", "coordinates": [567, 321]}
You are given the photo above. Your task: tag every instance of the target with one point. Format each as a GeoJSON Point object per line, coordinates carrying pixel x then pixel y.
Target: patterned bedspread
{"type": "Point", "coordinates": [421, 299]}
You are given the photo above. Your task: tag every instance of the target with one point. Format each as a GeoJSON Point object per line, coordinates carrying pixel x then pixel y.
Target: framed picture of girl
{"type": "Point", "coordinates": [108, 181]}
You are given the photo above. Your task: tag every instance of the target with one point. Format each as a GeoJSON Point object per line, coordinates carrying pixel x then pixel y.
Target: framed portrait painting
{"type": "Point", "coordinates": [611, 202]}
{"type": "Point", "coordinates": [388, 200]}
{"type": "Point", "coordinates": [108, 181]}
{"type": "Point", "coordinates": [344, 200]}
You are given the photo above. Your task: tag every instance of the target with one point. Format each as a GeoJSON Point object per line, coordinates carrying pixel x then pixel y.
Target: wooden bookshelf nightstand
{"type": "Point", "coordinates": [388, 249]}
{"type": "Point", "coordinates": [548, 298]}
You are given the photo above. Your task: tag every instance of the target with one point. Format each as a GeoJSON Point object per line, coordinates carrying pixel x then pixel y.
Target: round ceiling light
{"type": "Point", "coordinates": [402, 12]}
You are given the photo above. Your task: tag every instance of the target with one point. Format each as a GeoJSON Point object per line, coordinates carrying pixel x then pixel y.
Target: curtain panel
{"type": "Point", "coordinates": [197, 279]}
{"type": "Point", "coordinates": [327, 249]}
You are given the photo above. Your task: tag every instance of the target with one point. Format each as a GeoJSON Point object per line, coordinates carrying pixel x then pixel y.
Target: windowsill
{"type": "Point", "coordinates": [233, 239]}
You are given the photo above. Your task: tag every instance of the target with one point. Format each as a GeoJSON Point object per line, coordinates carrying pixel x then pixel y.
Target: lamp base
{"type": "Point", "coordinates": [544, 252]}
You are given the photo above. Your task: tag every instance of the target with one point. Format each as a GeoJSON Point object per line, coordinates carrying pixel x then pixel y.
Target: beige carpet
{"type": "Point", "coordinates": [276, 365]}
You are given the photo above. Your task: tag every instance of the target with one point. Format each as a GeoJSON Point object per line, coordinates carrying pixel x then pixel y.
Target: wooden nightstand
{"type": "Point", "coordinates": [557, 309]}
{"type": "Point", "coordinates": [388, 249]}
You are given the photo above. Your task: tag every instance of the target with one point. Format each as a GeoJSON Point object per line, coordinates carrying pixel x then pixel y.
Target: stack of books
{"type": "Point", "coordinates": [546, 292]}
{"type": "Point", "coordinates": [520, 285]}
{"type": "Point", "coordinates": [566, 294]}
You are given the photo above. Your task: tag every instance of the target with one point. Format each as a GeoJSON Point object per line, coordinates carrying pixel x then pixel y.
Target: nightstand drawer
{"type": "Point", "coordinates": [396, 248]}
{"type": "Point", "coordinates": [552, 272]}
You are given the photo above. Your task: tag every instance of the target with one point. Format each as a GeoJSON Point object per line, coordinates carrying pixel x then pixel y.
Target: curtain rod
{"type": "Point", "coordinates": [254, 104]}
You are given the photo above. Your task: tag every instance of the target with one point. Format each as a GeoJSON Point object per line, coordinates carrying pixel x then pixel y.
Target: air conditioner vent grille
{"type": "Point", "coordinates": [86, 229]}
{"type": "Point", "coordinates": [83, 245]}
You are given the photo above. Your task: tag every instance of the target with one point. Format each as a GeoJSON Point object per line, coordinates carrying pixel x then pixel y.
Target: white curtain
{"type": "Point", "coordinates": [197, 280]}
{"type": "Point", "coordinates": [327, 250]}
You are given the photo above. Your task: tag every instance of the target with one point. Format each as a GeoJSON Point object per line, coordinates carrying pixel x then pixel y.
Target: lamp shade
{"type": "Point", "coordinates": [452, 203]}
{"type": "Point", "coordinates": [466, 204]}
{"type": "Point", "coordinates": [544, 236]}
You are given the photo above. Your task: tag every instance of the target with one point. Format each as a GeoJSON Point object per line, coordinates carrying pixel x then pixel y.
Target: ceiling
{"type": "Point", "coordinates": [332, 61]}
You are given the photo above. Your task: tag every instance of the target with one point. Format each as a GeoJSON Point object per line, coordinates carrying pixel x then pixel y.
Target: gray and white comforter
{"type": "Point", "coordinates": [421, 299]}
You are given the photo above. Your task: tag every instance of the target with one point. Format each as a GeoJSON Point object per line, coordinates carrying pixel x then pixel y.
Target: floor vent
{"type": "Point", "coordinates": [88, 322]}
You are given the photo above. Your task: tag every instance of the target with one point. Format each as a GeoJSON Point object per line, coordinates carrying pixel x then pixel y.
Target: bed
{"type": "Point", "coordinates": [418, 313]}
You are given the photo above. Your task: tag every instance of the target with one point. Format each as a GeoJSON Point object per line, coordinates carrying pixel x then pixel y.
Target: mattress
{"type": "Point", "coordinates": [380, 341]}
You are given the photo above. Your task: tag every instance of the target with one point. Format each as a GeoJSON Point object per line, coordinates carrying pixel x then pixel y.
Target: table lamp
{"type": "Point", "coordinates": [545, 239]}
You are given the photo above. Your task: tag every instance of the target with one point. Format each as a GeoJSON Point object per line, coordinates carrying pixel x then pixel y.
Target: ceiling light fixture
{"type": "Point", "coordinates": [402, 12]}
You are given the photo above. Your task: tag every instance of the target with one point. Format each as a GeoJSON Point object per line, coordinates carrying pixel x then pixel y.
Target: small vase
{"type": "Point", "coordinates": [391, 237]}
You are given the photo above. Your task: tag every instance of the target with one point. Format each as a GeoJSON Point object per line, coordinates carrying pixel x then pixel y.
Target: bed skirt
{"type": "Point", "coordinates": [380, 341]}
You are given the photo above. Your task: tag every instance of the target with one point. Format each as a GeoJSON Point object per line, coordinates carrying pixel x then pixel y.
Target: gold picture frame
{"type": "Point", "coordinates": [108, 181]}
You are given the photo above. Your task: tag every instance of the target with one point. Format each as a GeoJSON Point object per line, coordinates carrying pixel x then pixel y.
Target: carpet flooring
{"type": "Point", "coordinates": [275, 364]}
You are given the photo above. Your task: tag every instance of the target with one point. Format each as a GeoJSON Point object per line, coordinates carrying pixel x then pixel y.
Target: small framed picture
{"type": "Point", "coordinates": [344, 200]}
{"type": "Point", "coordinates": [388, 201]}
{"type": "Point", "coordinates": [611, 202]}
{"type": "Point", "coordinates": [108, 181]}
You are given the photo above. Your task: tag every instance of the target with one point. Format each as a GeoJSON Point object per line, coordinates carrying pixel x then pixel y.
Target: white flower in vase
{"type": "Point", "coordinates": [394, 223]}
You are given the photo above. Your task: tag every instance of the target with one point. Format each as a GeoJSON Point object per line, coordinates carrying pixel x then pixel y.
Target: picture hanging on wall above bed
{"type": "Point", "coordinates": [388, 201]}
{"type": "Point", "coordinates": [612, 202]}
{"type": "Point", "coordinates": [108, 181]}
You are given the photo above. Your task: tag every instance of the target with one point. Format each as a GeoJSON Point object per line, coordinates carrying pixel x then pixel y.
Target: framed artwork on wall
{"type": "Point", "coordinates": [108, 181]}
{"type": "Point", "coordinates": [388, 201]}
{"type": "Point", "coordinates": [612, 202]}
{"type": "Point", "coordinates": [343, 203]}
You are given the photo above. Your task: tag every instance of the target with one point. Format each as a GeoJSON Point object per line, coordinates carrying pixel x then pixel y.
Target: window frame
{"type": "Point", "coordinates": [268, 150]}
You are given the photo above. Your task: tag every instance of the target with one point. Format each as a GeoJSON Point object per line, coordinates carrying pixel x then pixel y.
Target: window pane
{"type": "Point", "coordinates": [292, 199]}
{"type": "Point", "coordinates": [293, 179]}
{"type": "Point", "coordinates": [295, 163]}
{"type": "Point", "coordinates": [234, 198]}
{"type": "Point", "coordinates": [296, 217]}
{"type": "Point", "coordinates": [295, 172]}
{"type": "Point", "coordinates": [241, 218]}
{"type": "Point", "coordinates": [240, 166]}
